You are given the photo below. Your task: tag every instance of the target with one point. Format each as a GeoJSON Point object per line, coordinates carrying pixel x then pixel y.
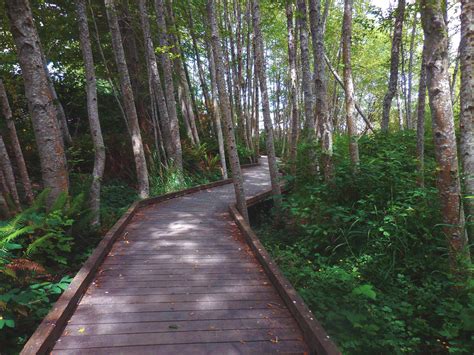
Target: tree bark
{"type": "Point", "coordinates": [436, 41]}
{"type": "Point", "coordinates": [133, 64]}
{"type": "Point", "coordinates": [184, 92]}
{"type": "Point", "coordinates": [177, 156]}
{"type": "Point", "coordinates": [394, 59]}
{"type": "Point", "coordinates": [322, 111]}
{"type": "Point", "coordinates": [92, 111]}
{"type": "Point", "coordinates": [420, 124]}
{"type": "Point", "coordinates": [7, 169]}
{"type": "Point", "coordinates": [410, 73]}
{"type": "Point", "coordinates": [341, 83]}
{"type": "Point", "coordinates": [128, 100]}
{"type": "Point", "coordinates": [226, 113]}
{"type": "Point", "coordinates": [261, 72]}
{"type": "Point", "coordinates": [349, 85]}
{"type": "Point", "coordinates": [40, 101]}
{"type": "Point", "coordinates": [301, 20]}
{"type": "Point", "coordinates": [292, 89]}
{"type": "Point", "coordinates": [217, 114]}
{"type": "Point", "coordinates": [61, 115]}
{"type": "Point", "coordinates": [467, 103]}
{"type": "Point", "coordinates": [15, 143]}
{"type": "Point", "coordinates": [157, 94]}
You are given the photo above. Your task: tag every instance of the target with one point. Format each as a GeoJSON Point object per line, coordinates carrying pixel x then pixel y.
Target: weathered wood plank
{"type": "Point", "coordinates": [230, 348]}
{"type": "Point", "coordinates": [177, 290]}
{"type": "Point", "coordinates": [179, 326]}
{"type": "Point", "coordinates": [219, 336]}
{"type": "Point", "coordinates": [94, 310]}
{"type": "Point", "coordinates": [104, 299]}
{"type": "Point", "coordinates": [135, 317]}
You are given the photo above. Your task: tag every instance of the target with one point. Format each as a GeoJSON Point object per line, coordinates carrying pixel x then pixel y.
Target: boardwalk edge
{"type": "Point", "coordinates": [314, 334]}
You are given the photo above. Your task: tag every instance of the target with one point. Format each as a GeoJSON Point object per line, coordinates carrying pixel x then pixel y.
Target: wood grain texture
{"type": "Point", "coordinates": [178, 277]}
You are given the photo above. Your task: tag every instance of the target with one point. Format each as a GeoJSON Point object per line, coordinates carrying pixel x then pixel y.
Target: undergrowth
{"type": "Point", "coordinates": [368, 255]}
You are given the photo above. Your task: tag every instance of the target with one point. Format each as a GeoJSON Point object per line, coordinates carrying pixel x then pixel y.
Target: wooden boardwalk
{"type": "Point", "coordinates": [181, 280]}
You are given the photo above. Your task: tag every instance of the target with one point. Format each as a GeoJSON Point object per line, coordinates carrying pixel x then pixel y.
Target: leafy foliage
{"type": "Point", "coordinates": [368, 255]}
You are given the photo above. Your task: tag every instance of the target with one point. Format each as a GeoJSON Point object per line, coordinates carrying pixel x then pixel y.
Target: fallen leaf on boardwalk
{"type": "Point", "coordinates": [173, 326]}
{"type": "Point", "coordinates": [81, 330]}
{"type": "Point", "coordinates": [274, 341]}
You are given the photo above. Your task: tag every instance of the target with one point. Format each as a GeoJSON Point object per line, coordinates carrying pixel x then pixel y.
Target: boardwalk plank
{"type": "Point", "coordinates": [230, 348]}
{"type": "Point", "coordinates": [220, 336]}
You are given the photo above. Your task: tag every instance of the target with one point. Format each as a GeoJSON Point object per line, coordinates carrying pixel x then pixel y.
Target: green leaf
{"type": "Point", "coordinates": [365, 290]}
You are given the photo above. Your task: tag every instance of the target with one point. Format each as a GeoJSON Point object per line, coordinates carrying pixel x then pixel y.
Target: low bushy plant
{"type": "Point", "coordinates": [368, 255]}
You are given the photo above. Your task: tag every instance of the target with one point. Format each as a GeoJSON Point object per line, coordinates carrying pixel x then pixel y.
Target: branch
{"type": "Point", "coordinates": [339, 80]}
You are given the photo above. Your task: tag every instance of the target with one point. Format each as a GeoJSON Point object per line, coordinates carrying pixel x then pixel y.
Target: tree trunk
{"type": "Point", "coordinates": [225, 111]}
{"type": "Point", "coordinates": [309, 123]}
{"type": "Point", "coordinates": [410, 73]}
{"type": "Point", "coordinates": [467, 103]}
{"type": "Point", "coordinates": [436, 41]}
{"type": "Point", "coordinates": [394, 59]}
{"type": "Point", "coordinates": [184, 92]}
{"type": "Point", "coordinates": [40, 101]}
{"type": "Point", "coordinates": [133, 64]}
{"type": "Point", "coordinates": [177, 156]}
{"type": "Point", "coordinates": [261, 72]}
{"type": "Point", "coordinates": [7, 169]}
{"type": "Point", "coordinates": [92, 111]}
{"type": "Point", "coordinates": [349, 85]}
{"type": "Point", "coordinates": [20, 161]}
{"type": "Point", "coordinates": [292, 89]}
{"type": "Point", "coordinates": [217, 114]}
{"type": "Point", "coordinates": [157, 93]}
{"type": "Point", "coordinates": [322, 111]}
{"type": "Point", "coordinates": [128, 100]}
{"type": "Point", "coordinates": [202, 76]}
{"type": "Point", "coordinates": [62, 121]}
{"type": "Point", "coordinates": [420, 125]}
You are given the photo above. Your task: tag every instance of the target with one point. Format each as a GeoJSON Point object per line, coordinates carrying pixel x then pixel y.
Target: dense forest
{"type": "Point", "coordinates": [364, 108]}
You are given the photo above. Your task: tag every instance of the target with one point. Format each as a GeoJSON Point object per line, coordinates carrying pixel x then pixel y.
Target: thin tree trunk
{"type": "Point", "coordinates": [15, 143]}
{"type": "Point", "coordinates": [7, 169]}
{"type": "Point", "coordinates": [154, 79]}
{"type": "Point", "coordinates": [394, 59]}
{"type": "Point", "coordinates": [40, 102]}
{"type": "Point", "coordinates": [92, 111]}
{"type": "Point", "coordinates": [342, 84]}
{"type": "Point", "coordinates": [467, 103]}
{"type": "Point", "coordinates": [128, 100]}
{"type": "Point", "coordinates": [420, 125]}
{"type": "Point", "coordinates": [61, 115]}
{"type": "Point", "coordinates": [217, 113]}
{"type": "Point", "coordinates": [410, 73]}
{"type": "Point", "coordinates": [261, 72]}
{"type": "Point", "coordinates": [436, 41]}
{"type": "Point", "coordinates": [107, 70]}
{"type": "Point", "coordinates": [322, 112]}
{"type": "Point", "coordinates": [202, 76]}
{"type": "Point", "coordinates": [292, 89]}
{"type": "Point", "coordinates": [301, 20]}
{"type": "Point", "coordinates": [349, 85]}
{"type": "Point", "coordinates": [226, 113]}
{"type": "Point", "coordinates": [169, 85]}
{"type": "Point", "coordinates": [455, 75]}
{"type": "Point", "coordinates": [133, 64]}
{"type": "Point", "coordinates": [184, 94]}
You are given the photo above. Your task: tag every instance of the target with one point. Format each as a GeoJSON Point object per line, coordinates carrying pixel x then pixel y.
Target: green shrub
{"type": "Point", "coordinates": [368, 255]}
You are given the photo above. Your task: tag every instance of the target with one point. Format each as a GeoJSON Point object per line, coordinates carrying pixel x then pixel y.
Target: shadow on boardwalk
{"type": "Point", "coordinates": [182, 280]}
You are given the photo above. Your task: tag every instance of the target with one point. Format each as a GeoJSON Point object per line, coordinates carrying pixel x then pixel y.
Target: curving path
{"type": "Point", "coordinates": [181, 280]}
